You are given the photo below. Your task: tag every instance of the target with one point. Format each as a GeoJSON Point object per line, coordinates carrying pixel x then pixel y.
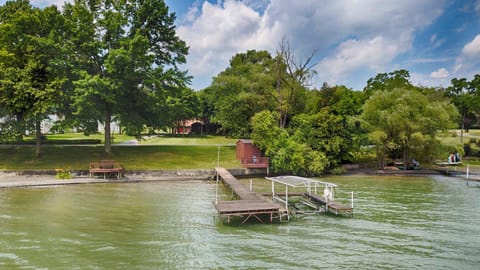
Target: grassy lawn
{"type": "Point", "coordinates": [80, 136]}
{"type": "Point", "coordinates": [154, 140]}
{"type": "Point", "coordinates": [132, 157]}
{"type": "Point", "coordinates": [189, 140]}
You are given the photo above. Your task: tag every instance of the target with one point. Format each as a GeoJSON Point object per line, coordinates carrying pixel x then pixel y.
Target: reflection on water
{"type": "Point", "coordinates": [399, 223]}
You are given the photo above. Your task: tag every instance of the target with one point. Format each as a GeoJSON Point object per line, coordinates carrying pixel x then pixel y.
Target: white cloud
{"type": "Point", "coordinates": [349, 35]}
{"type": "Point", "coordinates": [427, 80]}
{"type": "Point", "coordinates": [441, 73]}
{"type": "Point", "coordinates": [473, 47]}
{"type": "Point", "coordinates": [219, 32]}
{"type": "Point", "coordinates": [44, 3]}
{"type": "Point", "coordinates": [466, 64]}
{"type": "Point", "coordinates": [352, 55]}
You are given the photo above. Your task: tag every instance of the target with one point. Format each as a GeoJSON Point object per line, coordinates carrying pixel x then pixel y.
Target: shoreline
{"type": "Point", "coordinates": [46, 178]}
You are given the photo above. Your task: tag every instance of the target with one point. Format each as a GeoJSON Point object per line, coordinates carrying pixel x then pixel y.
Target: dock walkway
{"type": "Point", "coordinates": [250, 204]}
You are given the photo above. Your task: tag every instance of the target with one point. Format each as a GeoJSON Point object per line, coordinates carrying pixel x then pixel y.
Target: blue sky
{"type": "Point", "coordinates": [436, 40]}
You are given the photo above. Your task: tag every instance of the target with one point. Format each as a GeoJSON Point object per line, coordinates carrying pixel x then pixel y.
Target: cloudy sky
{"type": "Point", "coordinates": [436, 40]}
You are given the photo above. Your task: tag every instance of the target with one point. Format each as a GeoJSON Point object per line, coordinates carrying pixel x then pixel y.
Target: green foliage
{"type": "Point", "coordinates": [404, 122]}
{"type": "Point", "coordinates": [388, 82]}
{"type": "Point", "coordinates": [126, 56]}
{"type": "Point", "coordinates": [287, 155]}
{"type": "Point", "coordinates": [240, 91]}
{"type": "Point", "coordinates": [325, 133]}
{"type": "Point", "coordinates": [466, 96]}
{"type": "Point", "coordinates": [31, 57]}
{"type": "Point", "coordinates": [63, 174]}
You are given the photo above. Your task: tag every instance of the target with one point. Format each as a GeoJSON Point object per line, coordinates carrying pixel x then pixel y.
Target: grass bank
{"type": "Point", "coordinates": [145, 157]}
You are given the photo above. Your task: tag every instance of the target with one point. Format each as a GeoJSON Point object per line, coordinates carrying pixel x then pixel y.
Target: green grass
{"type": "Point", "coordinates": [154, 140]}
{"type": "Point", "coordinates": [117, 138]}
{"type": "Point", "coordinates": [189, 140]}
{"type": "Point", "coordinates": [132, 157]}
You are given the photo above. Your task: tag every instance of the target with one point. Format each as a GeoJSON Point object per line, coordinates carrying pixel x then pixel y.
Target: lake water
{"type": "Point", "coordinates": [399, 223]}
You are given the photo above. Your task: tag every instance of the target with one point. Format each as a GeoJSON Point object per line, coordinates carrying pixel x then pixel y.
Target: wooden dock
{"type": "Point", "coordinates": [250, 204]}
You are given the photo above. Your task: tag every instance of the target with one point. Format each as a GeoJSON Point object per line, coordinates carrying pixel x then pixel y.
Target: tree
{"type": "Point", "coordinates": [465, 95]}
{"type": "Point", "coordinates": [128, 53]}
{"type": "Point", "coordinates": [388, 81]}
{"type": "Point", "coordinates": [292, 79]}
{"type": "Point", "coordinates": [287, 154]}
{"type": "Point", "coordinates": [326, 133]}
{"type": "Point", "coordinates": [405, 121]}
{"type": "Point", "coordinates": [30, 59]}
{"type": "Point", "coordinates": [240, 91]}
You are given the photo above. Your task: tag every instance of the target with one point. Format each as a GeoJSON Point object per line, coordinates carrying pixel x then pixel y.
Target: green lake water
{"type": "Point", "coordinates": [399, 223]}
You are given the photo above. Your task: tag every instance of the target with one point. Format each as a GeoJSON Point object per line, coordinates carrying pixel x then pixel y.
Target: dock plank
{"type": "Point", "coordinates": [249, 203]}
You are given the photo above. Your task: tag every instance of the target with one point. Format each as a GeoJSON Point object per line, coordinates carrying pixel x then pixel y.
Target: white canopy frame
{"type": "Point", "coordinates": [297, 182]}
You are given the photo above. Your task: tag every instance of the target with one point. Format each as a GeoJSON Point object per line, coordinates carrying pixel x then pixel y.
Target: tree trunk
{"type": "Point", "coordinates": [38, 135]}
{"type": "Point", "coordinates": [20, 128]}
{"type": "Point", "coordinates": [406, 157]}
{"type": "Point", "coordinates": [108, 135]}
{"type": "Point", "coordinates": [380, 158]}
{"type": "Point", "coordinates": [464, 116]}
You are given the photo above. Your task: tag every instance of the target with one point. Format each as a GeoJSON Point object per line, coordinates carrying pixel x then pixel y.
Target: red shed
{"type": "Point", "coordinates": [249, 155]}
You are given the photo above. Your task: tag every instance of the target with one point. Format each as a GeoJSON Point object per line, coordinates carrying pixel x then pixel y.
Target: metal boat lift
{"type": "Point", "coordinates": [327, 201]}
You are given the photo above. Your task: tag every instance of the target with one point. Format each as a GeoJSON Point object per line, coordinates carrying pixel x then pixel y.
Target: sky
{"type": "Point", "coordinates": [353, 40]}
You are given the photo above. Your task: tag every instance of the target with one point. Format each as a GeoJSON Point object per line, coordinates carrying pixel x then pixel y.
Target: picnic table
{"type": "Point", "coordinates": [109, 169]}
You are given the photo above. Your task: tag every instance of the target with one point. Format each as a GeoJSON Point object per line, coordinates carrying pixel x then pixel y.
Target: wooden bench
{"type": "Point", "coordinates": [108, 168]}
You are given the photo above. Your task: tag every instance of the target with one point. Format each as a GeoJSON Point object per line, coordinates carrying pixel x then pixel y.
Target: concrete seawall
{"type": "Point", "coordinates": [37, 178]}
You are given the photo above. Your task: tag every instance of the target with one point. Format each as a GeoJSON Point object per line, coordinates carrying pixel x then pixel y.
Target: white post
{"type": "Point", "coordinates": [218, 156]}
{"type": "Point", "coordinates": [286, 202]}
{"type": "Point", "coordinates": [251, 184]}
{"type": "Point", "coordinates": [273, 191]}
{"type": "Point", "coordinates": [216, 191]}
{"type": "Point", "coordinates": [468, 171]}
{"type": "Point", "coordinates": [286, 197]}
{"type": "Point", "coordinates": [352, 199]}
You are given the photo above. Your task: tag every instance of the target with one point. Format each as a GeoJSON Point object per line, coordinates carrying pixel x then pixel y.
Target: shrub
{"type": "Point", "coordinates": [63, 174]}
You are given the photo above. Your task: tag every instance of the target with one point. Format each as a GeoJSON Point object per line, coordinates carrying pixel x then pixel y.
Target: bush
{"type": "Point", "coordinates": [337, 171]}
{"type": "Point", "coordinates": [63, 174]}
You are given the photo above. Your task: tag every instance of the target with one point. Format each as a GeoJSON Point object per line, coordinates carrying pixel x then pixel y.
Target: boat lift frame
{"type": "Point", "coordinates": [298, 182]}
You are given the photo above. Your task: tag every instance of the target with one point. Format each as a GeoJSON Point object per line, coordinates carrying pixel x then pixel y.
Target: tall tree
{"type": "Point", "coordinates": [405, 121]}
{"type": "Point", "coordinates": [464, 95]}
{"type": "Point", "coordinates": [293, 76]}
{"type": "Point", "coordinates": [241, 90]}
{"type": "Point", "coordinates": [388, 81]}
{"type": "Point", "coordinates": [30, 61]}
{"type": "Point", "coordinates": [129, 52]}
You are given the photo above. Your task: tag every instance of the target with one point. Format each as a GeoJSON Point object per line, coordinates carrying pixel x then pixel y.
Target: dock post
{"type": "Point", "coordinates": [286, 202]}
{"type": "Point", "coordinates": [251, 184]}
{"type": "Point", "coordinates": [273, 191]}
{"type": "Point", "coordinates": [216, 191]}
{"type": "Point", "coordinates": [468, 170]}
{"type": "Point", "coordinates": [352, 199]}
